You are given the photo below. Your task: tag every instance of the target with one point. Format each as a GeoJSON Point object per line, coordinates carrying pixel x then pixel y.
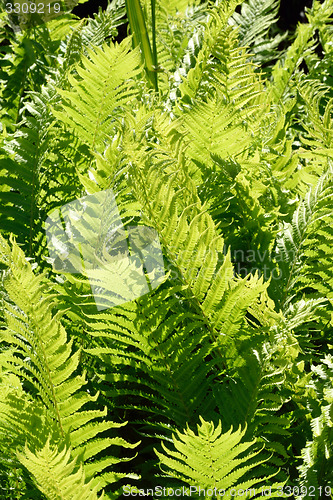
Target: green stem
{"type": "Point", "coordinates": [139, 31]}
{"type": "Point", "coordinates": [153, 23]}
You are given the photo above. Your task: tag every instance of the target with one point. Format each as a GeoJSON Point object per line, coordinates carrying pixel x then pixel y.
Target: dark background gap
{"type": "Point", "coordinates": [291, 11]}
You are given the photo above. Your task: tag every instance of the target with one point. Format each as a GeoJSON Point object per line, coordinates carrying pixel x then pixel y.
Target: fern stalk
{"type": "Point", "coordinates": [153, 24]}
{"type": "Point", "coordinates": [140, 37]}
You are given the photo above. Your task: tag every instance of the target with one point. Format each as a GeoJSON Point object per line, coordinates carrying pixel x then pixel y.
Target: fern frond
{"type": "Point", "coordinates": [317, 455]}
{"type": "Point", "coordinates": [156, 363]}
{"type": "Point", "coordinates": [303, 45]}
{"type": "Point", "coordinates": [303, 312]}
{"type": "Point", "coordinates": [21, 420]}
{"type": "Point", "coordinates": [99, 92]}
{"type": "Point", "coordinates": [254, 23]}
{"type": "Point", "coordinates": [282, 74]}
{"type": "Point", "coordinates": [211, 459]}
{"type": "Point", "coordinates": [212, 128]}
{"type": "Point", "coordinates": [221, 65]}
{"type": "Point", "coordinates": [18, 63]}
{"type": "Point", "coordinates": [104, 24]}
{"type": "Point", "coordinates": [41, 354]}
{"type": "Point", "coordinates": [57, 475]}
{"type": "Point", "coordinates": [251, 395]}
{"type": "Point", "coordinates": [304, 252]}
{"type": "Point", "coordinates": [176, 23]}
{"type": "Point", "coordinates": [319, 135]}
{"type": "Point", "coordinates": [163, 348]}
{"type": "Point", "coordinates": [21, 178]}
{"type": "Point", "coordinates": [255, 19]}
{"type": "Point", "coordinates": [37, 172]}
{"type": "Point", "coordinates": [193, 245]}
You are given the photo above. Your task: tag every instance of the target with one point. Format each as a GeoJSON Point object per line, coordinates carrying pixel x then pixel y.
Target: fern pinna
{"type": "Point", "coordinates": [219, 140]}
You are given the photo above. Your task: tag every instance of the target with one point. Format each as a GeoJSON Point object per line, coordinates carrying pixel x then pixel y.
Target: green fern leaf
{"type": "Point", "coordinates": [212, 459]}
{"type": "Point", "coordinates": [255, 21]}
{"type": "Point", "coordinates": [56, 475]}
{"type": "Point", "coordinates": [303, 249]}
{"type": "Point", "coordinates": [41, 355]}
{"type": "Point", "coordinates": [99, 92]}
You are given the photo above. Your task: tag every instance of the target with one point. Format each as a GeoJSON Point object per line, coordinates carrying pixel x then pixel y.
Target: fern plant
{"type": "Point", "coordinates": [213, 129]}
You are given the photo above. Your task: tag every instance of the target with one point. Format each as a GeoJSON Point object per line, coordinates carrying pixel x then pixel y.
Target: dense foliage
{"type": "Point", "coordinates": [218, 136]}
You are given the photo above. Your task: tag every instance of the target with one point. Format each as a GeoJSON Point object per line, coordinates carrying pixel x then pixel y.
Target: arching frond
{"type": "Point", "coordinates": [42, 356]}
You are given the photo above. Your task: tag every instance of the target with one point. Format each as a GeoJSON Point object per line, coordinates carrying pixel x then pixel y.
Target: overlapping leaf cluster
{"type": "Point", "coordinates": [221, 377]}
